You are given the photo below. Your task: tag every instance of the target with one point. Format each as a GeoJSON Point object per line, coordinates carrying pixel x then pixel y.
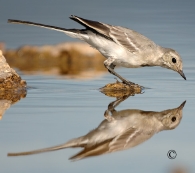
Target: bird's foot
{"type": "Point", "coordinates": [128, 82]}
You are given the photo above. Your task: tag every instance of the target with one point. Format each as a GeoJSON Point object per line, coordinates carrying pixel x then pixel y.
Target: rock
{"type": "Point", "coordinates": [70, 59]}
{"type": "Point", "coordinates": [9, 97]}
{"type": "Point", "coordinates": [120, 89]}
{"type": "Point", "coordinates": [2, 46]}
{"type": "Point", "coordinates": [9, 79]}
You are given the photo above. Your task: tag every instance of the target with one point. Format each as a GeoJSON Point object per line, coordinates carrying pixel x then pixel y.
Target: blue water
{"type": "Point", "coordinates": [56, 110]}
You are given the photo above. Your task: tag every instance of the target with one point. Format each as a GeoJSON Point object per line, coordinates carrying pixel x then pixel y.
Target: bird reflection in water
{"type": "Point", "coordinates": [119, 131]}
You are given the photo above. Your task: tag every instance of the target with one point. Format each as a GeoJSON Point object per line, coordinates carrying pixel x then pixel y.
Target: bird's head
{"type": "Point", "coordinates": [172, 60]}
{"type": "Point", "coordinates": [172, 117]}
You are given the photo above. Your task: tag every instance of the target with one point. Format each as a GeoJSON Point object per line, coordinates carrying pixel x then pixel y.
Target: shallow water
{"type": "Point", "coordinates": [56, 110]}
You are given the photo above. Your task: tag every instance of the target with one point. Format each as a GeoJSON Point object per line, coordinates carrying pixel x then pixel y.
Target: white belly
{"type": "Point", "coordinates": [108, 48]}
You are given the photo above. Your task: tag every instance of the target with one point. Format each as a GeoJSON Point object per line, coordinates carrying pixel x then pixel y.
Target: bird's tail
{"type": "Point", "coordinates": [78, 142]}
{"type": "Point", "coordinates": [75, 33]}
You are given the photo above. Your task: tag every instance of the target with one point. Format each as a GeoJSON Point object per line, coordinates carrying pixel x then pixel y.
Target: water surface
{"type": "Point", "coordinates": [56, 110]}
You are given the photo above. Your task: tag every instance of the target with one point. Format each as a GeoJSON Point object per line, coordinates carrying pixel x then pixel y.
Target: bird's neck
{"type": "Point", "coordinates": [158, 59]}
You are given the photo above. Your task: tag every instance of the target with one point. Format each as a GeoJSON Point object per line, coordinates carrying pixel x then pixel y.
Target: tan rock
{"type": "Point", "coordinates": [70, 59]}
{"type": "Point", "coordinates": [9, 97]}
{"type": "Point", "coordinates": [9, 79]}
{"type": "Point", "coordinates": [120, 89]}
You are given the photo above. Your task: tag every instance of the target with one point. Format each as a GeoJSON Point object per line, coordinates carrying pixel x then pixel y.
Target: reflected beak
{"type": "Point", "coordinates": [182, 105]}
{"type": "Point", "coordinates": [182, 74]}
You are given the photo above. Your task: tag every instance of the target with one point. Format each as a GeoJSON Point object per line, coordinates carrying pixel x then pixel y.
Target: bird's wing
{"type": "Point", "coordinates": [119, 142]}
{"type": "Point", "coordinates": [101, 28]}
{"type": "Point", "coordinates": [131, 40]}
{"type": "Point", "coordinates": [132, 137]}
{"type": "Point", "coordinates": [92, 150]}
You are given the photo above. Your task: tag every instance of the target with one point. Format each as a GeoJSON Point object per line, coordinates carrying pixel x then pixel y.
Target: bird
{"type": "Point", "coordinates": [119, 131]}
{"type": "Point", "coordinates": [119, 45]}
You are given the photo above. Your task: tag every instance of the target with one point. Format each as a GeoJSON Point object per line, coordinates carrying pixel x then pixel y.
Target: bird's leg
{"type": "Point", "coordinates": [111, 108]}
{"type": "Point", "coordinates": [110, 66]}
{"type": "Point", "coordinates": [108, 116]}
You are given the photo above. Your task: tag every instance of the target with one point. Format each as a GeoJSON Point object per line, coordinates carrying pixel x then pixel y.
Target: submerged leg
{"type": "Point", "coordinates": [110, 66]}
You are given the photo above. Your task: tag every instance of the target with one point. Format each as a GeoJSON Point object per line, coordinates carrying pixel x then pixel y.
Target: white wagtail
{"type": "Point", "coordinates": [124, 129]}
{"type": "Point", "coordinates": [121, 46]}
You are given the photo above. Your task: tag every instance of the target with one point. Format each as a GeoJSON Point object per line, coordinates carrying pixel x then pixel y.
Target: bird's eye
{"type": "Point", "coordinates": [173, 119]}
{"type": "Point", "coordinates": [173, 60]}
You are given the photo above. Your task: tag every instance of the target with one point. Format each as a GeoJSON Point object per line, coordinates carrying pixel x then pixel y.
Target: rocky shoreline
{"type": "Point", "coordinates": [62, 59]}
{"type": "Point", "coordinates": [9, 79]}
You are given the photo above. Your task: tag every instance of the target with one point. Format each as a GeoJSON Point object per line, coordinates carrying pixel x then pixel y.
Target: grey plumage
{"type": "Point", "coordinates": [121, 46]}
{"type": "Point", "coordinates": [119, 131]}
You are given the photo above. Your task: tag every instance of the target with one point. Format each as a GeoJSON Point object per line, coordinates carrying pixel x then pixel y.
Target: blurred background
{"type": "Point", "coordinates": [60, 107]}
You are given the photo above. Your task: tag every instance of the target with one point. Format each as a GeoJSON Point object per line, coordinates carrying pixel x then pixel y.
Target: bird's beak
{"type": "Point", "coordinates": [182, 74]}
{"type": "Point", "coordinates": [182, 105]}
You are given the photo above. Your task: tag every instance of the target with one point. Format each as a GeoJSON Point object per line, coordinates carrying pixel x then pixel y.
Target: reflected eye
{"type": "Point", "coordinates": [173, 60]}
{"type": "Point", "coordinates": [173, 119]}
